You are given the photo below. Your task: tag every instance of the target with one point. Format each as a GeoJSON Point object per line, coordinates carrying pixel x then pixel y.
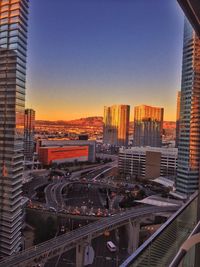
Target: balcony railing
{"type": "Point", "coordinates": [161, 248]}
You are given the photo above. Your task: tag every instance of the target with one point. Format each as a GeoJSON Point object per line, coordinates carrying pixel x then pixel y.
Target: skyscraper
{"type": "Point", "coordinates": [116, 125]}
{"type": "Point", "coordinates": [29, 128]}
{"type": "Point", "coordinates": [13, 41]}
{"type": "Point", "coordinates": [178, 106]}
{"type": "Point", "coordinates": [148, 126]}
{"type": "Point", "coordinates": [189, 138]}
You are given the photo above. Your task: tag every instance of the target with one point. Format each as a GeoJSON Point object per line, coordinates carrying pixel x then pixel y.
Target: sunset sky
{"type": "Point", "coordinates": [84, 54]}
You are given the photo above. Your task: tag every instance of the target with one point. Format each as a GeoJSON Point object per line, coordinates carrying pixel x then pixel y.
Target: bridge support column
{"type": "Point", "coordinates": [89, 239]}
{"type": "Point", "coordinates": [133, 231]}
{"type": "Point", "coordinates": [80, 250]}
{"type": "Point", "coordinates": [117, 235]}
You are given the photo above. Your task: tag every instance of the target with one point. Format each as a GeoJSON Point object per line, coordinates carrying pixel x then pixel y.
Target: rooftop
{"type": "Point", "coordinates": [163, 150]}
{"type": "Point", "coordinates": [165, 181]}
{"type": "Point", "coordinates": [159, 201]}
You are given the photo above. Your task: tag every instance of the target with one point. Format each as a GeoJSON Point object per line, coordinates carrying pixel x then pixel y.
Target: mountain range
{"type": "Point", "coordinates": [93, 121]}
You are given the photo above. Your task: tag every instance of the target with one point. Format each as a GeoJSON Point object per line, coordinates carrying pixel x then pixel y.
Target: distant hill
{"type": "Point", "coordinates": [93, 121]}
{"type": "Point", "coordinates": [97, 121]}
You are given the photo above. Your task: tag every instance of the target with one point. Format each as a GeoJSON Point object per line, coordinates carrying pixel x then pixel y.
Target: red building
{"type": "Point", "coordinates": [47, 155]}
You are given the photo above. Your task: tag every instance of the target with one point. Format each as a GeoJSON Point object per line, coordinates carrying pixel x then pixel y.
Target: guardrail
{"type": "Point", "coordinates": [162, 246]}
{"type": "Point", "coordinates": [61, 243]}
{"type": "Point", "coordinates": [192, 240]}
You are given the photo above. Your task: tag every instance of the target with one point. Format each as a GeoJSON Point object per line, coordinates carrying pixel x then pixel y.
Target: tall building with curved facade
{"type": "Point", "coordinates": [189, 136]}
{"type": "Point", "coordinates": [13, 46]}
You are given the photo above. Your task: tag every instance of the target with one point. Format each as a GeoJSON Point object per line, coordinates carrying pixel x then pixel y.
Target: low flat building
{"type": "Point", "coordinates": [65, 145]}
{"type": "Point", "coordinates": [159, 201]}
{"type": "Point", "coordinates": [49, 155]}
{"type": "Point", "coordinates": [148, 162]}
{"type": "Point", "coordinates": [169, 183]}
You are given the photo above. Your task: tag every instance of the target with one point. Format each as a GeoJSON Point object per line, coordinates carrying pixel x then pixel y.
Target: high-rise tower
{"type": "Point", "coordinates": [13, 42]}
{"type": "Point", "coordinates": [189, 138]}
{"type": "Point", "coordinates": [116, 125]}
{"type": "Point", "coordinates": [148, 126]}
{"type": "Point", "coordinates": [29, 128]}
{"type": "Point", "coordinates": [178, 106]}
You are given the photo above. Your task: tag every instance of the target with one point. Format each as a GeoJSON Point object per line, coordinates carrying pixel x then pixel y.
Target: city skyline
{"type": "Point", "coordinates": [99, 190]}
{"type": "Point", "coordinates": [92, 58]}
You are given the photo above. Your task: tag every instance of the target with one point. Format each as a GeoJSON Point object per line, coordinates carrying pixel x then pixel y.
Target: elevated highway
{"type": "Point", "coordinates": [79, 237]}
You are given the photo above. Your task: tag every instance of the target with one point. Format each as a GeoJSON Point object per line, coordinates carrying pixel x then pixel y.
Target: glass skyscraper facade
{"type": "Point", "coordinates": [13, 45]}
{"type": "Point", "coordinates": [116, 125]}
{"type": "Point", "coordinates": [148, 126]}
{"type": "Point", "coordinates": [178, 106]}
{"type": "Point", "coordinates": [189, 136]}
{"type": "Point", "coordinates": [29, 131]}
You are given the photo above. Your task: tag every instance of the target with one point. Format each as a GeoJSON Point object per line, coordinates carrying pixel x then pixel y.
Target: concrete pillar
{"type": "Point", "coordinates": [89, 239]}
{"type": "Point", "coordinates": [133, 231]}
{"type": "Point", "coordinates": [136, 234]}
{"type": "Point", "coordinates": [117, 235]}
{"type": "Point", "coordinates": [80, 250]}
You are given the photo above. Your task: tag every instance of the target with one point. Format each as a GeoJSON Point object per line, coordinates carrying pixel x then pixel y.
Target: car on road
{"type": "Point", "coordinates": [111, 246]}
{"type": "Point", "coordinates": [52, 209]}
{"type": "Point", "coordinates": [62, 229]}
{"type": "Point", "coordinates": [91, 213]}
{"type": "Point", "coordinates": [61, 210]}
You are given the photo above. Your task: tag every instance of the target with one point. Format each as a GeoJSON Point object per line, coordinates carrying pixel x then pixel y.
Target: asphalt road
{"type": "Point", "coordinates": [103, 257]}
{"type": "Point", "coordinates": [83, 195]}
{"type": "Point", "coordinates": [29, 188]}
{"type": "Point", "coordinates": [53, 192]}
{"type": "Point", "coordinates": [50, 195]}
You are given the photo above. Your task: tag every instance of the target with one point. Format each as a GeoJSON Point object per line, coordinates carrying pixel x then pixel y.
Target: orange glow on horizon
{"type": "Point", "coordinates": [167, 117]}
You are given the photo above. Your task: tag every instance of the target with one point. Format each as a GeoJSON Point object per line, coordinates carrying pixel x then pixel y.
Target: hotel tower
{"type": "Point", "coordinates": [189, 133]}
{"type": "Point", "coordinates": [116, 125]}
{"type": "Point", "coordinates": [13, 43]}
{"type": "Point", "coordinates": [148, 126]}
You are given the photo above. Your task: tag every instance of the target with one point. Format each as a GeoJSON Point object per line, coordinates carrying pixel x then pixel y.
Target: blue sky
{"type": "Point", "coordinates": [84, 54]}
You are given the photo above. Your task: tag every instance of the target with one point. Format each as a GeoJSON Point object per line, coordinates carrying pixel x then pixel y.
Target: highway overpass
{"type": "Point", "coordinates": [81, 237]}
